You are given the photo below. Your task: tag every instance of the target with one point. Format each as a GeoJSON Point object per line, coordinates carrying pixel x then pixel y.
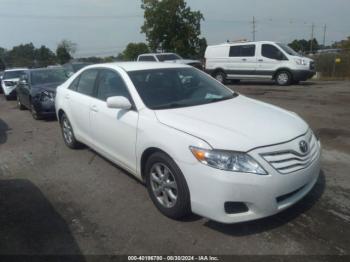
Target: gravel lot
{"type": "Point", "coordinates": [54, 200]}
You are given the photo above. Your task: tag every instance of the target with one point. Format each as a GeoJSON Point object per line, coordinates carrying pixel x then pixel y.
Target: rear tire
{"type": "Point", "coordinates": [167, 186]}
{"type": "Point", "coordinates": [220, 76]}
{"type": "Point", "coordinates": [283, 78]}
{"type": "Point", "coordinates": [68, 133]}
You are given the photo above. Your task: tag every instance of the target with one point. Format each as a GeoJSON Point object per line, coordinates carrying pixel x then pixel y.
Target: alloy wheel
{"type": "Point", "coordinates": [164, 186]}
{"type": "Point", "coordinates": [67, 131]}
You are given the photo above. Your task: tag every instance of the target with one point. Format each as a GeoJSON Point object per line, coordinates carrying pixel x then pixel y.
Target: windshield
{"type": "Point", "coordinates": [168, 57]}
{"type": "Point", "coordinates": [47, 76]}
{"type": "Point", "coordinates": [288, 49]}
{"type": "Point", "coordinates": [177, 87]}
{"type": "Point", "coordinates": [13, 74]}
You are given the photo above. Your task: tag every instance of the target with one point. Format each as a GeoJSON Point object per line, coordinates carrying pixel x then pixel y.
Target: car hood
{"type": "Point", "coordinates": [11, 79]}
{"type": "Point", "coordinates": [48, 87]}
{"type": "Point", "coordinates": [238, 124]}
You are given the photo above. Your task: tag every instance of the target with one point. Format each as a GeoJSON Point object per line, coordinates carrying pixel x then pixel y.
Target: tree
{"type": "Point", "coordinates": [303, 45]}
{"type": "Point", "coordinates": [133, 50]}
{"type": "Point", "coordinates": [171, 26]}
{"type": "Point", "coordinates": [44, 57]}
{"type": "Point", "coordinates": [21, 56]}
{"type": "Point", "coordinates": [65, 51]}
{"type": "Point", "coordinates": [2, 58]}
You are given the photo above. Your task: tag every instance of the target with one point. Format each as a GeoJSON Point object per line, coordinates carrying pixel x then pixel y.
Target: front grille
{"type": "Point", "coordinates": [288, 161]}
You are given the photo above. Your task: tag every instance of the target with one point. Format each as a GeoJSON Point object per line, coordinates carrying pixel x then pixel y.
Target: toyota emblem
{"type": "Point", "coordinates": [304, 147]}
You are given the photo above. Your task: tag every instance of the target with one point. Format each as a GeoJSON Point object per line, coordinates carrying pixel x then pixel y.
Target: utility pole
{"type": "Point", "coordinates": [312, 37]}
{"type": "Point", "coordinates": [324, 36]}
{"type": "Point", "coordinates": [254, 28]}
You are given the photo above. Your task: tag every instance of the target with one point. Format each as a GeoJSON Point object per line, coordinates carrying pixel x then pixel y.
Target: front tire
{"type": "Point", "coordinates": [68, 133]}
{"type": "Point", "coordinates": [283, 78]}
{"type": "Point", "coordinates": [35, 114]}
{"type": "Point", "coordinates": [19, 104]}
{"type": "Point", "coordinates": [167, 186]}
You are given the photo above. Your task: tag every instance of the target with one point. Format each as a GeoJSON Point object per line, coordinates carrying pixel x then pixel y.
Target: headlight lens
{"type": "Point", "coordinates": [228, 160]}
{"type": "Point", "coordinates": [300, 61]}
{"type": "Point", "coordinates": [47, 96]}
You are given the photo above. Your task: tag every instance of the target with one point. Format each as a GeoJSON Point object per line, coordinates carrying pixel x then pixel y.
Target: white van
{"type": "Point", "coordinates": [258, 60]}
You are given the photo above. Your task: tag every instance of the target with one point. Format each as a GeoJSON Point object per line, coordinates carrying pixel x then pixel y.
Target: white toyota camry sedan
{"type": "Point", "coordinates": [198, 146]}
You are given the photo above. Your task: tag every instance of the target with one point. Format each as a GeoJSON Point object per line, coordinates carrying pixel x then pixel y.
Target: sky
{"type": "Point", "coordinates": [105, 27]}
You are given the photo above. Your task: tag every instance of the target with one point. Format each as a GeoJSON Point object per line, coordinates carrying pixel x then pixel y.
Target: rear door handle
{"type": "Point", "coordinates": [94, 108]}
{"type": "Point", "coordinates": [244, 59]}
{"type": "Point", "coordinates": [66, 96]}
{"type": "Point", "coordinates": [261, 60]}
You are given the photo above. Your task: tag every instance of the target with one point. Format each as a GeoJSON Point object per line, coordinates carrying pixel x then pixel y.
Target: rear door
{"type": "Point", "coordinates": [79, 96]}
{"type": "Point", "coordinates": [114, 130]}
{"type": "Point", "coordinates": [242, 61]}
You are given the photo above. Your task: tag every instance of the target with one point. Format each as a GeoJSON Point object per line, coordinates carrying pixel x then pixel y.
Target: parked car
{"type": "Point", "coordinates": [258, 60]}
{"type": "Point", "coordinates": [1, 74]}
{"type": "Point", "coordinates": [168, 57]}
{"type": "Point", "coordinates": [74, 67]}
{"type": "Point", "coordinates": [36, 90]}
{"type": "Point", "coordinates": [196, 144]}
{"type": "Point", "coordinates": [9, 81]}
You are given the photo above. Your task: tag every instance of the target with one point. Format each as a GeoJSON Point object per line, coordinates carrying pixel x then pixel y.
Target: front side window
{"type": "Point", "coordinates": [147, 58]}
{"type": "Point", "coordinates": [87, 82]}
{"type": "Point", "coordinates": [272, 52]}
{"type": "Point", "coordinates": [177, 87]}
{"type": "Point", "coordinates": [242, 51]}
{"type": "Point", "coordinates": [111, 84]}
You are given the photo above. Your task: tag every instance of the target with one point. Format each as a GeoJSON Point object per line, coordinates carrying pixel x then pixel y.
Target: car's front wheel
{"type": "Point", "coordinates": [283, 78]}
{"type": "Point", "coordinates": [167, 186]}
{"type": "Point", "coordinates": [68, 133]}
{"type": "Point", "coordinates": [35, 114]}
{"type": "Point", "coordinates": [19, 104]}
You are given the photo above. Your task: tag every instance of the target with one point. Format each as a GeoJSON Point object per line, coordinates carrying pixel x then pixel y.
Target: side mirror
{"type": "Point", "coordinates": [119, 102]}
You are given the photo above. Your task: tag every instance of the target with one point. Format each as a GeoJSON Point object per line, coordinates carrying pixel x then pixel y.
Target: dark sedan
{"type": "Point", "coordinates": [36, 91]}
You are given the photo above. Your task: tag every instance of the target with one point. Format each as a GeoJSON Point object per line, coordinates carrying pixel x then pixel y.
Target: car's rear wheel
{"type": "Point", "coordinates": [283, 78]}
{"type": "Point", "coordinates": [68, 133]}
{"type": "Point", "coordinates": [167, 186]}
{"type": "Point", "coordinates": [220, 76]}
{"type": "Point", "coordinates": [19, 104]}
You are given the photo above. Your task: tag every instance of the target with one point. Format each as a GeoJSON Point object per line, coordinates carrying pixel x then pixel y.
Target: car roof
{"type": "Point", "coordinates": [136, 66]}
{"type": "Point", "coordinates": [45, 69]}
{"type": "Point", "coordinates": [244, 43]}
{"type": "Point", "coordinates": [15, 69]}
{"type": "Point", "coordinates": [158, 54]}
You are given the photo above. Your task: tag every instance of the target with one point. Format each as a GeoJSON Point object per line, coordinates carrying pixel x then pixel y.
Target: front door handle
{"type": "Point", "coordinates": [244, 59]}
{"type": "Point", "coordinates": [94, 108]}
{"type": "Point", "coordinates": [261, 60]}
{"type": "Point", "coordinates": [66, 96]}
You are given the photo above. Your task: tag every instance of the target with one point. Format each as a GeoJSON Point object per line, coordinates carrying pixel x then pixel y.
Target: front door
{"type": "Point", "coordinates": [114, 130]}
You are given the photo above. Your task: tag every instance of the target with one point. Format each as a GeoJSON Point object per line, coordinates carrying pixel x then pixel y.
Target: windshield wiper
{"type": "Point", "coordinates": [170, 105]}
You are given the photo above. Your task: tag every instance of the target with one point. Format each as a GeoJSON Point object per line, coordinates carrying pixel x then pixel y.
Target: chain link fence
{"type": "Point", "coordinates": [333, 65]}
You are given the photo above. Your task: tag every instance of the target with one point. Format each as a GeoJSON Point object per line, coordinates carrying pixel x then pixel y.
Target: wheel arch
{"type": "Point", "coordinates": [145, 156]}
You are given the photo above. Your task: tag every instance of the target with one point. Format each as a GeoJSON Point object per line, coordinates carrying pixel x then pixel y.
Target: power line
{"type": "Point", "coordinates": [324, 35]}
{"type": "Point", "coordinates": [312, 37]}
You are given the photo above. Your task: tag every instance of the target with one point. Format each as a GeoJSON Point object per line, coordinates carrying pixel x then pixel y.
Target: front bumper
{"type": "Point", "coordinates": [303, 75]}
{"type": "Point", "coordinates": [263, 195]}
{"type": "Point", "coordinates": [45, 108]}
{"type": "Point", "coordinates": [9, 91]}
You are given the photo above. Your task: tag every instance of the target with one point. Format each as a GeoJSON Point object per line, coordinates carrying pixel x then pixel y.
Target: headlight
{"type": "Point", "coordinates": [228, 160]}
{"type": "Point", "coordinates": [300, 61]}
{"type": "Point", "coordinates": [47, 96]}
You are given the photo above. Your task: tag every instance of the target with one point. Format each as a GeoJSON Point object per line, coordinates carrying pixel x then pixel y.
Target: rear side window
{"type": "Point", "coordinates": [87, 82]}
{"type": "Point", "coordinates": [147, 58]}
{"type": "Point", "coordinates": [242, 51]}
{"type": "Point", "coordinates": [110, 84]}
{"type": "Point", "coordinates": [74, 84]}
{"type": "Point", "coordinates": [272, 52]}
